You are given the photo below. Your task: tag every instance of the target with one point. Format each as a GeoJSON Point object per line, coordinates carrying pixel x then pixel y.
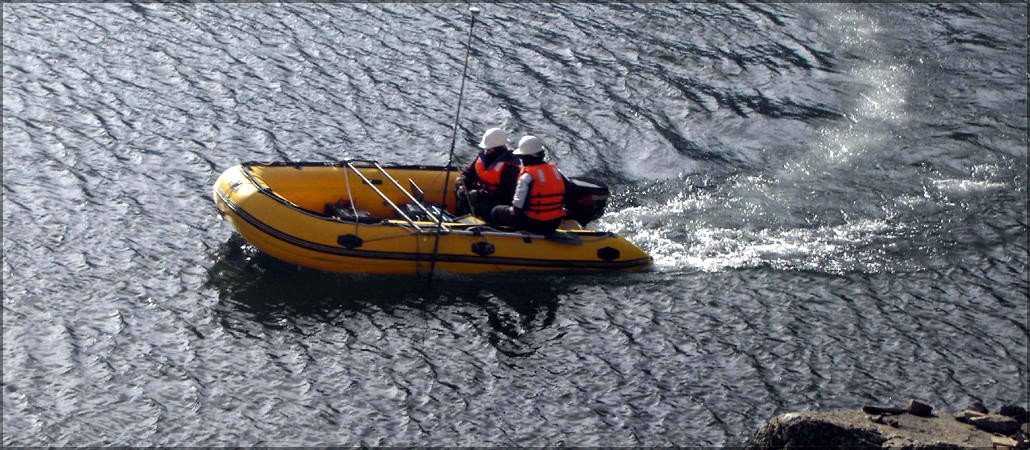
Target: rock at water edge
{"type": "Point", "coordinates": [918, 408]}
{"type": "Point", "coordinates": [995, 423]}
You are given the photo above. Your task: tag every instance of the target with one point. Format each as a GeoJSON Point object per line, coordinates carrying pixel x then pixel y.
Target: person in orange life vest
{"type": "Point", "coordinates": [538, 205]}
{"type": "Point", "coordinates": [488, 181]}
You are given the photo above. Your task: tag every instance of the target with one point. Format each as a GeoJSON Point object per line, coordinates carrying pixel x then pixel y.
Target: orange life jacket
{"type": "Point", "coordinates": [546, 194]}
{"type": "Point", "coordinates": [490, 178]}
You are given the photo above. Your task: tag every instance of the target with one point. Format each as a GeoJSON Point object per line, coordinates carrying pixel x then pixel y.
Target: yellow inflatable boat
{"type": "Point", "coordinates": [362, 217]}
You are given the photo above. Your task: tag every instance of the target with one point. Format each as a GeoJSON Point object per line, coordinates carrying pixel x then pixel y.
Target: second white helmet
{"type": "Point", "coordinates": [494, 137]}
{"type": "Point", "coordinates": [529, 145]}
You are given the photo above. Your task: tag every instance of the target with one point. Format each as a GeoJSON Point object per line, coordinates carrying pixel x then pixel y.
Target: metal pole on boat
{"type": "Point", "coordinates": [474, 11]}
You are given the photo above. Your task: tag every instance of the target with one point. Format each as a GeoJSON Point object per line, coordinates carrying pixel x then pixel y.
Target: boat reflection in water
{"type": "Point", "coordinates": [259, 294]}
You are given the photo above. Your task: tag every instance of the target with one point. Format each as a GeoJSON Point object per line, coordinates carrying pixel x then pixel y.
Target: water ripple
{"type": "Point", "coordinates": [834, 196]}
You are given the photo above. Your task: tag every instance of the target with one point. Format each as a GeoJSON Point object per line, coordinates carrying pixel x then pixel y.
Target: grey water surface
{"type": "Point", "coordinates": [835, 196]}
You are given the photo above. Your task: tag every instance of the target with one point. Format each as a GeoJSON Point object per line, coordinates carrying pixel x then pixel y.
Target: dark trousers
{"type": "Point", "coordinates": [501, 215]}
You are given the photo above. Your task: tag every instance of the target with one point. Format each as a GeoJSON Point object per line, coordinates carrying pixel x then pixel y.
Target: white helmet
{"type": "Point", "coordinates": [529, 145]}
{"type": "Point", "coordinates": [494, 137]}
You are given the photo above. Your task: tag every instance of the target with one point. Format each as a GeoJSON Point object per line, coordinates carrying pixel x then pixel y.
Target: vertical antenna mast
{"type": "Point", "coordinates": [474, 11]}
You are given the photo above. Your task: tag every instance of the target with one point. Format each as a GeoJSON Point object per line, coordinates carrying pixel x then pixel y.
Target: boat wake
{"type": "Point", "coordinates": [679, 243]}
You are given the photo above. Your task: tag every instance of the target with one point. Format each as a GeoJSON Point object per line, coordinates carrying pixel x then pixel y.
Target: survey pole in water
{"type": "Point", "coordinates": [474, 11]}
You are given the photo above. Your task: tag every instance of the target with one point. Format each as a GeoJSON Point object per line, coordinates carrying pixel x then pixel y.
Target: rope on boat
{"type": "Point", "coordinates": [350, 199]}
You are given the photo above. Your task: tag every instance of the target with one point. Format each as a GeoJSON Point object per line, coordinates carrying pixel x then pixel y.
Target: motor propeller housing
{"type": "Point", "coordinates": [585, 199]}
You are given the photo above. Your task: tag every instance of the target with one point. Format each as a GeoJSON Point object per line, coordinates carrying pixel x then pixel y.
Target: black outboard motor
{"type": "Point", "coordinates": [585, 199]}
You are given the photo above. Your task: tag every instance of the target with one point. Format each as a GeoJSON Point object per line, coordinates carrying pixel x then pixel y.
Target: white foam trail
{"type": "Point", "coordinates": [824, 248]}
{"type": "Point", "coordinates": [737, 227]}
{"type": "Point", "coordinates": [961, 186]}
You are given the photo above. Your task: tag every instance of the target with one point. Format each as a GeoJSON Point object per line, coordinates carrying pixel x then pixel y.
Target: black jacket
{"type": "Point", "coordinates": [469, 179]}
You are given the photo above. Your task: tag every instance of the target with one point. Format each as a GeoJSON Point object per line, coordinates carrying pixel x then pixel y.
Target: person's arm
{"type": "Point", "coordinates": [518, 202]}
{"type": "Point", "coordinates": [468, 179]}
